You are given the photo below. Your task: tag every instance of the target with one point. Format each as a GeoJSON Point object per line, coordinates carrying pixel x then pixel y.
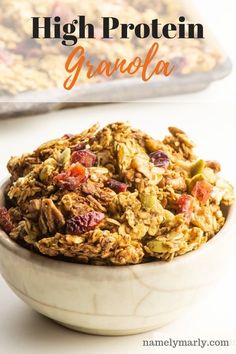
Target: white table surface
{"type": "Point", "coordinates": [212, 127]}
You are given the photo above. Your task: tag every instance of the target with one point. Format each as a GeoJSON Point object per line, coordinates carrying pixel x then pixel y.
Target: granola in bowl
{"type": "Point", "coordinates": [114, 196]}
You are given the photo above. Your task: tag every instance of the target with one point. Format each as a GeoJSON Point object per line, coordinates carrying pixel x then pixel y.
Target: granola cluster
{"type": "Point", "coordinates": [36, 65]}
{"type": "Point", "coordinates": [114, 196]}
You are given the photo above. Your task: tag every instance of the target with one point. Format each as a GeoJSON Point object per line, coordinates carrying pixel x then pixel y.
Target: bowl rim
{"type": "Point", "coordinates": [55, 264]}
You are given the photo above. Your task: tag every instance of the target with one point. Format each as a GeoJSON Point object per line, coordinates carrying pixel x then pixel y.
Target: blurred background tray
{"type": "Point", "coordinates": [121, 90]}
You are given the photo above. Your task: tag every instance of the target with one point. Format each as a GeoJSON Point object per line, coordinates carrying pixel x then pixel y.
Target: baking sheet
{"type": "Point", "coordinates": [111, 91]}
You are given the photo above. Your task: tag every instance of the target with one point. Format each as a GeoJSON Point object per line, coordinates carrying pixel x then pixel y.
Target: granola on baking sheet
{"type": "Point", "coordinates": [36, 65]}
{"type": "Point", "coordinates": [114, 196]}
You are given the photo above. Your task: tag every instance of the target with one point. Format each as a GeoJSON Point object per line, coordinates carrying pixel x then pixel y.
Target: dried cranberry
{"type": "Point", "coordinates": [83, 223]}
{"type": "Point", "coordinates": [67, 136]}
{"type": "Point", "coordinates": [72, 178]}
{"type": "Point", "coordinates": [202, 191]}
{"type": "Point", "coordinates": [80, 146]}
{"type": "Point", "coordinates": [69, 183]}
{"type": "Point", "coordinates": [159, 159]}
{"type": "Point", "coordinates": [116, 186]}
{"type": "Point", "coordinates": [5, 220]}
{"type": "Point", "coordinates": [179, 64]}
{"type": "Point", "coordinates": [185, 204]}
{"type": "Point", "coordinates": [86, 157]}
{"type": "Point", "coordinates": [62, 10]}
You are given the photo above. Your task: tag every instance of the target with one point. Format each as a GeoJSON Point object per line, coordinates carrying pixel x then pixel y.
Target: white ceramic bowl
{"type": "Point", "coordinates": [115, 300]}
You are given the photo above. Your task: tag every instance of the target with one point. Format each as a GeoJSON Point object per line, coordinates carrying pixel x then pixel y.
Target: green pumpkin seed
{"type": "Point", "coordinates": [198, 167]}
